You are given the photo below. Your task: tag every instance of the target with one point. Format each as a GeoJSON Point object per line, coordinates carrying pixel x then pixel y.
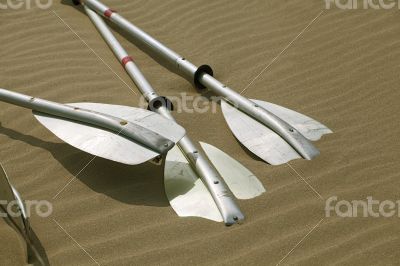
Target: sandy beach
{"type": "Point", "coordinates": [338, 66]}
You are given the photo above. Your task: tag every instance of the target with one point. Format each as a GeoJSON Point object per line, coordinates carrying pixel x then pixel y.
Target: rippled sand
{"type": "Point", "coordinates": [343, 70]}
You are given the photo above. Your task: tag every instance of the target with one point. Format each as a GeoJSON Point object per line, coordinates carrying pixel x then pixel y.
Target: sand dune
{"type": "Point", "coordinates": [343, 71]}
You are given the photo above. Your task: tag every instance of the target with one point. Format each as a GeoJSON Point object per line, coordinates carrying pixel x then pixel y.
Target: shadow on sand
{"type": "Point", "coordinates": [138, 185]}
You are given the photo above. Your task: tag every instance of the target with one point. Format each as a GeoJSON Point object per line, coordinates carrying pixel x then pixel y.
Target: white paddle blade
{"type": "Point", "coordinates": [264, 142]}
{"type": "Point", "coordinates": [243, 183]}
{"type": "Point", "coordinates": [308, 127]}
{"type": "Point", "coordinates": [186, 192]}
{"type": "Point", "coordinates": [109, 145]}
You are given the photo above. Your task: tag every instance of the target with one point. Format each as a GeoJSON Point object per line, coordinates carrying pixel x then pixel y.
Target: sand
{"type": "Point", "coordinates": [342, 70]}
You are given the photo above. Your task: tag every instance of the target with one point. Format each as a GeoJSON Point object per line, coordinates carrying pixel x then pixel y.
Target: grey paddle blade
{"type": "Point", "coordinates": [243, 183]}
{"type": "Point", "coordinates": [9, 194]}
{"type": "Point", "coordinates": [264, 142]}
{"type": "Point", "coordinates": [186, 192]}
{"type": "Point", "coordinates": [19, 222]}
{"type": "Point", "coordinates": [110, 145]}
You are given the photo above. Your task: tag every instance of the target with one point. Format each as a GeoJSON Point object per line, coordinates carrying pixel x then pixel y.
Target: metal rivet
{"type": "Point", "coordinates": [123, 123]}
{"type": "Point", "coordinates": [256, 105]}
{"type": "Point", "coordinates": [235, 218]}
{"type": "Point", "coordinates": [291, 130]}
{"type": "Point", "coordinates": [166, 145]}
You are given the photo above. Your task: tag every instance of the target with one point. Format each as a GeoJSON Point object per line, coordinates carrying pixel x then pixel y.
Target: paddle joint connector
{"type": "Point", "coordinates": [204, 69]}
{"type": "Point", "coordinates": [158, 102]}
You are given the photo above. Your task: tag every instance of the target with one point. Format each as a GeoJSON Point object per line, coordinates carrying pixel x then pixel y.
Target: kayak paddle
{"type": "Point", "coordinates": [194, 185]}
{"type": "Point", "coordinates": [273, 133]}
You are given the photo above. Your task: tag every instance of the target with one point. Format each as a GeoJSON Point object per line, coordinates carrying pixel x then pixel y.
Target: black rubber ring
{"type": "Point", "coordinates": [201, 70]}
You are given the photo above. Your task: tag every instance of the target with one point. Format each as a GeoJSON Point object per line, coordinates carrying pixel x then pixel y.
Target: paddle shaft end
{"type": "Point", "coordinates": [222, 195]}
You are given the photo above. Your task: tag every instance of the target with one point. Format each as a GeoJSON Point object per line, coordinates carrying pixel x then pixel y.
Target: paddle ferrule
{"type": "Point", "coordinates": [215, 184]}
{"type": "Point", "coordinates": [160, 101]}
{"type": "Point", "coordinates": [133, 131]}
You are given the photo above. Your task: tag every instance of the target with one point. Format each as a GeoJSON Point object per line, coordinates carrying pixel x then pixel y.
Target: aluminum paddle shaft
{"type": "Point", "coordinates": [119, 126]}
{"type": "Point", "coordinates": [217, 187]}
{"type": "Point", "coordinates": [203, 77]}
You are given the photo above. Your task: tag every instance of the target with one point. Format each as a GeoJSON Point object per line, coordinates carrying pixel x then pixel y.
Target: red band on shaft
{"type": "Point", "coordinates": [126, 60]}
{"type": "Point", "coordinates": [109, 12]}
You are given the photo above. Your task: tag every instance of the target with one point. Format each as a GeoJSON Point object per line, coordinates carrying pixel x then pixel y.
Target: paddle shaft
{"type": "Point", "coordinates": [20, 223]}
{"type": "Point", "coordinates": [119, 126]}
{"type": "Point", "coordinates": [202, 77]}
{"type": "Point", "coordinates": [217, 187]}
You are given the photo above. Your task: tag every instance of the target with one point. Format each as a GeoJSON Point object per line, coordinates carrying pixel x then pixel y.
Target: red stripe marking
{"type": "Point", "coordinates": [109, 12]}
{"type": "Point", "coordinates": [126, 60]}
